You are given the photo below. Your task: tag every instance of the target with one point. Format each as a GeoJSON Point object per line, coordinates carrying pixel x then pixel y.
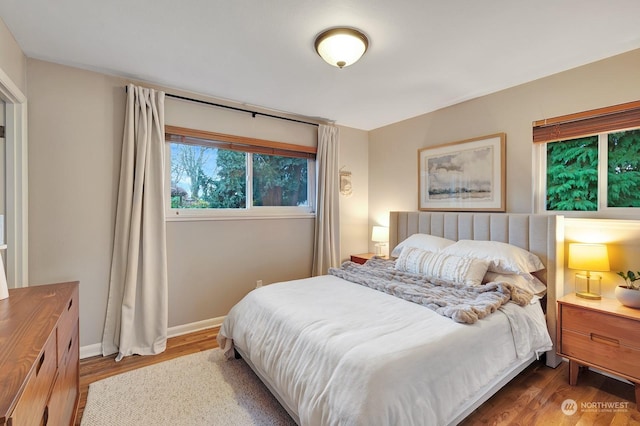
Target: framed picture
{"type": "Point", "coordinates": [463, 176]}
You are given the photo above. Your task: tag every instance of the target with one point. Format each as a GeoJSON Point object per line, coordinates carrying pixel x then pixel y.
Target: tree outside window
{"type": "Point", "coordinates": [206, 177]}
{"type": "Point", "coordinates": [574, 167]}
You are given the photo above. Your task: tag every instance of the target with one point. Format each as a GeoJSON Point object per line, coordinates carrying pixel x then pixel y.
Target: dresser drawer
{"type": "Point", "coordinates": [67, 324]}
{"type": "Point", "coordinates": [625, 331]}
{"type": "Point", "coordinates": [66, 387]}
{"type": "Point", "coordinates": [30, 409]}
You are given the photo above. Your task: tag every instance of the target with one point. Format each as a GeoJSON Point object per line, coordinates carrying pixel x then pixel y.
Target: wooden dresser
{"type": "Point", "coordinates": [39, 355]}
{"type": "Point", "coordinates": [600, 333]}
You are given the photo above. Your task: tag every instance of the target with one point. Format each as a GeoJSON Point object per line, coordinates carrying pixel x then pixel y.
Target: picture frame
{"type": "Point", "coordinates": [467, 175]}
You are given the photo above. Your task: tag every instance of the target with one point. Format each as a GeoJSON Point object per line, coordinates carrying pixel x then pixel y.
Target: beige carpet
{"type": "Point", "coordinates": [200, 389]}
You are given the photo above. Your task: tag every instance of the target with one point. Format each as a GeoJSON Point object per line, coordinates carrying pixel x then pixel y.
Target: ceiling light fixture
{"type": "Point", "coordinates": [341, 47]}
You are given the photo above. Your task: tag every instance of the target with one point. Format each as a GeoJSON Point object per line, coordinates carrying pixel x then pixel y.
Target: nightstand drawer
{"type": "Point", "coordinates": [601, 334]}
{"type": "Point", "coordinates": [601, 350]}
{"type": "Point", "coordinates": [587, 322]}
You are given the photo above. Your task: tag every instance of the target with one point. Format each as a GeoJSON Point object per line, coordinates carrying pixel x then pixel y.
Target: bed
{"type": "Point", "coordinates": [337, 350]}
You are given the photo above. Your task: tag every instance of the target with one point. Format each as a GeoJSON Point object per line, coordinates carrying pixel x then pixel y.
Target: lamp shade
{"type": "Point", "coordinates": [380, 234]}
{"type": "Point", "coordinates": [588, 257]}
{"type": "Point", "coordinates": [341, 47]}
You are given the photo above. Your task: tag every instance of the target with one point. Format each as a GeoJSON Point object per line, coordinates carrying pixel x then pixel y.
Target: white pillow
{"type": "Point", "coordinates": [460, 270]}
{"type": "Point", "coordinates": [422, 241]}
{"type": "Point", "coordinates": [523, 281]}
{"type": "Point", "coordinates": [503, 258]}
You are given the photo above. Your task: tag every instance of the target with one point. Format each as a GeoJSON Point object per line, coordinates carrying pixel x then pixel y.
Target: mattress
{"type": "Point", "coordinates": [338, 353]}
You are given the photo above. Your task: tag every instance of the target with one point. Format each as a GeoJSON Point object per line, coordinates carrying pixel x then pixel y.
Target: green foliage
{"type": "Point", "coordinates": [572, 172]}
{"type": "Point", "coordinates": [229, 188]}
{"type": "Point", "coordinates": [624, 169]}
{"type": "Point", "coordinates": [572, 175]}
{"type": "Point", "coordinates": [217, 178]}
{"type": "Point", "coordinates": [176, 202]}
{"type": "Point", "coordinates": [630, 277]}
{"type": "Point", "coordinates": [190, 161]}
{"type": "Point", "coordinates": [279, 181]}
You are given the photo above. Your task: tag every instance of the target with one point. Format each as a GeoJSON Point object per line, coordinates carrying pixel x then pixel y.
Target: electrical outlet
{"type": "Point", "coordinates": [258, 283]}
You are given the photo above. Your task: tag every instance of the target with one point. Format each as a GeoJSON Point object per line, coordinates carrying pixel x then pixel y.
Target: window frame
{"type": "Point", "coordinates": [249, 146]}
{"type": "Point", "coordinates": [601, 122]}
{"type": "Point", "coordinates": [604, 211]}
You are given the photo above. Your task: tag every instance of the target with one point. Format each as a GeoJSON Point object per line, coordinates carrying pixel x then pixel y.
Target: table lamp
{"type": "Point", "coordinates": [380, 235]}
{"type": "Point", "coordinates": [588, 258]}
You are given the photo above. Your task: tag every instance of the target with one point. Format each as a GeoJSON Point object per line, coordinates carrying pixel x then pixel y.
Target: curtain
{"type": "Point", "coordinates": [326, 252]}
{"type": "Point", "coordinates": [136, 319]}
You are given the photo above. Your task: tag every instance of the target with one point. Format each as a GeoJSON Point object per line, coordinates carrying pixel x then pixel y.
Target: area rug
{"type": "Point", "coordinates": [200, 389]}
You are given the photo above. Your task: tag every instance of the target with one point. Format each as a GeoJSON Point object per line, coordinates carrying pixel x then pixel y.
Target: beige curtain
{"type": "Point", "coordinates": [326, 251]}
{"type": "Point", "coordinates": [136, 320]}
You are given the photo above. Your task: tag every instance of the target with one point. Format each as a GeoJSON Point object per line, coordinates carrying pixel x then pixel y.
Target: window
{"type": "Point", "coordinates": [590, 162]}
{"type": "Point", "coordinates": [222, 175]}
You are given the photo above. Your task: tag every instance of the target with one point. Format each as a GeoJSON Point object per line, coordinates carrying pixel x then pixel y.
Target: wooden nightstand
{"type": "Point", "coordinates": [600, 333]}
{"type": "Point", "coordinates": [363, 257]}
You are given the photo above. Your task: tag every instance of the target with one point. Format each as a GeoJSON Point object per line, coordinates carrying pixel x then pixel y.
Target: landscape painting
{"type": "Point", "coordinates": [465, 175]}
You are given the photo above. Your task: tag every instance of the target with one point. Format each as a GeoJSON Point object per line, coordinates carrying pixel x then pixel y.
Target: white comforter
{"type": "Point", "coordinates": [338, 353]}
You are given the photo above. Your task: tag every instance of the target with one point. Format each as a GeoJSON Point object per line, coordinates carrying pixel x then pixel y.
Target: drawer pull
{"type": "Point", "coordinates": [70, 341]}
{"type": "Point", "coordinates": [40, 362]}
{"type": "Point", "coordinates": [605, 340]}
{"type": "Point", "coordinates": [70, 303]}
{"type": "Point", "coordinates": [45, 416]}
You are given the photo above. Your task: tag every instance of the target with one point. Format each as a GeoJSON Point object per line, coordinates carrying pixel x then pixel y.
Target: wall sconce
{"type": "Point", "coordinates": [588, 258]}
{"type": "Point", "coordinates": [345, 183]}
{"type": "Point", "coordinates": [380, 235]}
{"type": "Point", "coordinates": [341, 47]}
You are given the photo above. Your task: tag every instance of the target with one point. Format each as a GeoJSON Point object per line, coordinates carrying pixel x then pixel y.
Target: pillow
{"type": "Point", "coordinates": [460, 270]}
{"type": "Point", "coordinates": [422, 241]}
{"type": "Point", "coordinates": [523, 281]}
{"type": "Point", "coordinates": [503, 258]}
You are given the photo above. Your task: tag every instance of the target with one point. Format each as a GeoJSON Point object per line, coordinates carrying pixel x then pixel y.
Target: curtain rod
{"type": "Point", "coordinates": [253, 113]}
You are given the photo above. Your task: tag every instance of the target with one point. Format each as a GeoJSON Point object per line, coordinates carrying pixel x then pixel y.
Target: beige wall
{"type": "Point", "coordinates": [393, 174]}
{"type": "Point", "coordinates": [354, 209]}
{"type": "Point", "coordinates": [75, 131]}
{"type": "Point", "coordinates": [12, 61]}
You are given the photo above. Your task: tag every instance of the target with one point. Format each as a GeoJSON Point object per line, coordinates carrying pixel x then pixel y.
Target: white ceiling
{"type": "Point", "coordinates": [423, 55]}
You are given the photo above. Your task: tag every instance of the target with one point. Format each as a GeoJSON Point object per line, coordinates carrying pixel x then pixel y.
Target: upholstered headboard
{"type": "Point", "coordinates": [542, 235]}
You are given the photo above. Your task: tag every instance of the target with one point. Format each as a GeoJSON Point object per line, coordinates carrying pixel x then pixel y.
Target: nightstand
{"type": "Point", "coordinates": [599, 333]}
{"type": "Point", "coordinates": [363, 257]}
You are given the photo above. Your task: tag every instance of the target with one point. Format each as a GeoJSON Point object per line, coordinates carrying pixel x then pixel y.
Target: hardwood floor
{"type": "Point", "coordinates": [532, 398]}
{"type": "Point", "coordinates": [536, 395]}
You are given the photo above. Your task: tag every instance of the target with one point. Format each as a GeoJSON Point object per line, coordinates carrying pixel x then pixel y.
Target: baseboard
{"type": "Point", "coordinates": [178, 330]}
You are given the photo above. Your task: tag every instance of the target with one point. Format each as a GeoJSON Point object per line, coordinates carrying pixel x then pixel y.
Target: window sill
{"type": "Point", "coordinates": [613, 214]}
{"type": "Point", "coordinates": [194, 217]}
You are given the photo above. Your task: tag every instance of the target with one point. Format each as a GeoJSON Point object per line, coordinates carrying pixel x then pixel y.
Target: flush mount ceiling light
{"type": "Point", "coordinates": [341, 47]}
